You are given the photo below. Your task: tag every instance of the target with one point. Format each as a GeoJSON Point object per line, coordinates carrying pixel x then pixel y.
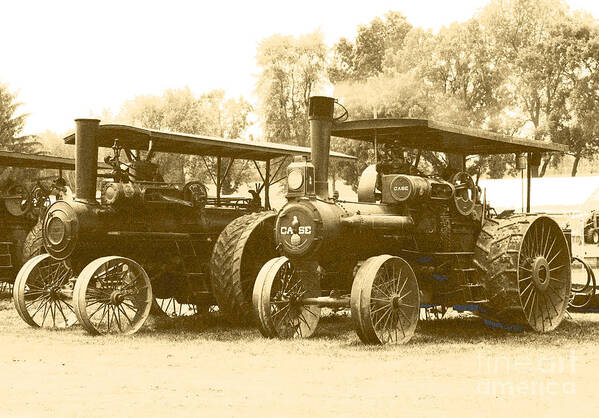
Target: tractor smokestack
{"type": "Point", "coordinates": [320, 115]}
{"type": "Point", "coordinates": [86, 159]}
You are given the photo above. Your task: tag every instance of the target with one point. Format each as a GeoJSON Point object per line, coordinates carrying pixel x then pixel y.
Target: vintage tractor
{"type": "Point", "coordinates": [413, 239]}
{"type": "Point", "coordinates": [147, 243]}
{"type": "Point", "coordinates": [591, 229]}
{"type": "Point", "coordinates": [22, 206]}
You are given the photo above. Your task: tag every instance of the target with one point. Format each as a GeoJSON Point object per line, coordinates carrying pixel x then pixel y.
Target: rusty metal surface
{"type": "Point", "coordinates": [439, 136]}
{"type": "Point", "coordinates": [139, 138]}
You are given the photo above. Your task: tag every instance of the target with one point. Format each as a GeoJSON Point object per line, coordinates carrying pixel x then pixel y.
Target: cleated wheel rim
{"type": "Point", "coordinates": [355, 297]}
{"type": "Point", "coordinates": [544, 275]}
{"type": "Point", "coordinates": [112, 295]}
{"type": "Point", "coordinates": [264, 326]}
{"type": "Point", "coordinates": [172, 308]}
{"type": "Point", "coordinates": [42, 293]}
{"type": "Point", "coordinates": [278, 294]}
{"type": "Point", "coordinates": [385, 301]}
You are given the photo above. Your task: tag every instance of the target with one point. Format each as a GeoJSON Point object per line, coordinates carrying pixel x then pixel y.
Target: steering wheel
{"type": "Point", "coordinates": [17, 200]}
{"type": "Point", "coordinates": [465, 193]}
{"type": "Point", "coordinates": [196, 193]}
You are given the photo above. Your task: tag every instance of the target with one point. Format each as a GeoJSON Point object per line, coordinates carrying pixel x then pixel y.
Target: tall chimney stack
{"type": "Point", "coordinates": [320, 114]}
{"type": "Point", "coordinates": [86, 159]}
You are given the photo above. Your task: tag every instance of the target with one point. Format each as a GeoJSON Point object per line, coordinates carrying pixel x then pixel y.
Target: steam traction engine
{"type": "Point", "coordinates": [146, 242]}
{"type": "Point", "coordinates": [21, 208]}
{"type": "Point", "coordinates": [412, 240]}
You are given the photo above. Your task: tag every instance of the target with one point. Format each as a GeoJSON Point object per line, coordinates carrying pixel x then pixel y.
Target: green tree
{"type": "Point", "coordinates": [467, 87]}
{"type": "Point", "coordinates": [12, 125]}
{"type": "Point", "coordinates": [450, 77]}
{"type": "Point", "coordinates": [11, 136]}
{"type": "Point", "coordinates": [291, 70]}
{"type": "Point", "coordinates": [518, 68]}
{"type": "Point", "coordinates": [364, 58]}
{"type": "Point", "coordinates": [574, 119]}
{"type": "Point", "coordinates": [461, 69]}
{"type": "Point", "coordinates": [526, 36]}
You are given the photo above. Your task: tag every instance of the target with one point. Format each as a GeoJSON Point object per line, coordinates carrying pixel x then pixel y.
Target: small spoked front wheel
{"type": "Point", "coordinates": [42, 293]}
{"type": "Point", "coordinates": [112, 295]}
{"type": "Point", "coordinates": [277, 299]}
{"type": "Point", "coordinates": [385, 301]}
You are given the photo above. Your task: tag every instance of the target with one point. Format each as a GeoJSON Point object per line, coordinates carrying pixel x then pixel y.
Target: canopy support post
{"type": "Point", "coordinates": [267, 185]}
{"type": "Point", "coordinates": [209, 170]}
{"type": "Point", "coordinates": [528, 178]}
{"type": "Point", "coordinates": [281, 164]}
{"type": "Point", "coordinates": [231, 161]}
{"type": "Point", "coordinates": [376, 153]}
{"type": "Point", "coordinates": [218, 179]}
{"type": "Point", "coordinates": [456, 162]}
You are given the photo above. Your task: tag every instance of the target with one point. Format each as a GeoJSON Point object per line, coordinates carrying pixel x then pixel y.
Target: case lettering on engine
{"type": "Point", "coordinates": [302, 230]}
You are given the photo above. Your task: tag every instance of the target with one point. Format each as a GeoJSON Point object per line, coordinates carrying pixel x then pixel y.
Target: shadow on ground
{"type": "Point", "coordinates": [467, 329]}
{"type": "Point", "coordinates": [337, 327]}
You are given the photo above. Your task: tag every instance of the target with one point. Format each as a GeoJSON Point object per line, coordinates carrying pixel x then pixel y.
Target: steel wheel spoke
{"type": "Point", "coordinates": [126, 316]}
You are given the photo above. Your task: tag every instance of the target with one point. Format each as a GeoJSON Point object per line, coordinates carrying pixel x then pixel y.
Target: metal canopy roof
{"type": "Point", "coordinates": [438, 136]}
{"type": "Point", "coordinates": [19, 159]}
{"type": "Point", "coordinates": [23, 160]}
{"type": "Point", "coordinates": [173, 142]}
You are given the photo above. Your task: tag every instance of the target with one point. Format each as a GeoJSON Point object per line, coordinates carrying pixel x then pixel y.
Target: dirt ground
{"type": "Point", "coordinates": [199, 367]}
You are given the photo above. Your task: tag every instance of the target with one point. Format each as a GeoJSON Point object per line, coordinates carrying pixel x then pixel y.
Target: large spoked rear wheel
{"type": "Point", "coordinates": [526, 272]}
{"type": "Point", "coordinates": [544, 275]}
{"type": "Point", "coordinates": [112, 295]}
{"type": "Point", "coordinates": [42, 292]}
{"type": "Point", "coordinates": [385, 301]}
{"type": "Point", "coordinates": [277, 298]}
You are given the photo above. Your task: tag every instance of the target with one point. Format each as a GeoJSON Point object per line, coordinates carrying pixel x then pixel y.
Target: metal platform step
{"type": "Point", "coordinates": [6, 266]}
{"type": "Point", "coordinates": [474, 292]}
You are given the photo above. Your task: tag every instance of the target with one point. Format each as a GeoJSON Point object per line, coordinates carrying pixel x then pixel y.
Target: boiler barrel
{"type": "Point", "coordinates": [395, 223]}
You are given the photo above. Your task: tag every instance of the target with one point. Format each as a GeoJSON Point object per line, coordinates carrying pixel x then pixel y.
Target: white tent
{"type": "Point", "coordinates": [553, 194]}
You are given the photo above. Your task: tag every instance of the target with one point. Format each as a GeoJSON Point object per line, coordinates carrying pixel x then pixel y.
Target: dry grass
{"type": "Point", "coordinates": [199, 366]}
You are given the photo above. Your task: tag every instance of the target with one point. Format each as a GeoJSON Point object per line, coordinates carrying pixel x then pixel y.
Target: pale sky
{"type": "Point", "coordinates": [69, 59]}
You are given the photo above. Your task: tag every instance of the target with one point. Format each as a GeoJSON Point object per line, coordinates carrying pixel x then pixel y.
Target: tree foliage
{"type": "Point", "coordinates": [179, 110]}
{"type": "Point", "coordinates": [518, 67]}
{"type": "Point", "coordinates": [12, 125]}
{"type": "Point", "coordinates": [574, 119]}
{"type": "Point", "coordinates": [11, 135]}
{"type": "Point", "coordinates": [292, 70]}
{"type": "Point", "coordinates": [364, 58]}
